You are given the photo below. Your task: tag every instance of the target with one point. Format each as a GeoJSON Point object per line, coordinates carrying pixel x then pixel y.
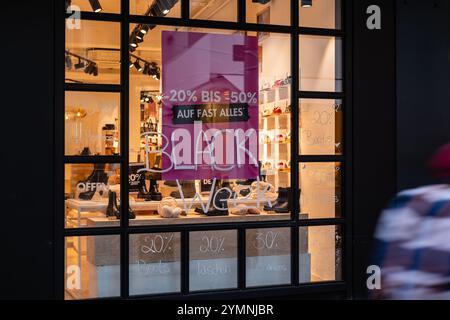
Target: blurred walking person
{"type": "Point", "coordinates": [412, 239]}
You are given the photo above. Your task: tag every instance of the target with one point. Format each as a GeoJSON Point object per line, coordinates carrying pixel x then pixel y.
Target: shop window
{"type": "Point", "coordinates": [97, 6]}
{"type": "Point", "coordinates": [320, 257]}
{"type": "Point", "coordinates": [321, 127]}
{"type": "Point", "coordinates": [213, 260]}
{"type": "Point", "coordinates": [92, 267]}
{"type": "Point", "coordinates": [320, 190]}
{"type": "Point", "coordinates": [320, 14]}
{"type": "Point", "coordinates": [92, 52]}
{"type": "Point", "coordinates": [218, 10]}
{"type": "Point", "coordinates": [268, 12]}
{"type": "Point", "coordinates": [321, 63]}
{"type": "Point", "coordinates": [156, 8]}
{"type": "Point", "coordinates": [92, 195]}
{"type": "Point", "coordinates": [155, 266]}
{"type": "Point", "coordinates": [268, 260]}
{"type": "Point", "coordinates": [91, 121]}
{"type": "Point", "coordinates": [240, 83]}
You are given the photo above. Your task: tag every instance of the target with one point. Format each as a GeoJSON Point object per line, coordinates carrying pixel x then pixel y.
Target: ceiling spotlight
{"type": "Point", "coordinates": [166, 11]}
{"type": "Point", "coordinates": [306, 3]}
{"type": "Point", "coordinates": [69, 64]}
{"type": "Point", "coordinates": [144, 29]}
{"type": "Point", "coordinates": [80, 64]}
{"type": "Point", "coordinates": [95, 5]}
{"type": "Point", "coordinates": [146, 69]}
{"type": "Point", "coordinates": [137, 65]}
{"type": "Point", "coordinates": [131, 64]}
{"type": "Point", "coordinates": [95, 70]}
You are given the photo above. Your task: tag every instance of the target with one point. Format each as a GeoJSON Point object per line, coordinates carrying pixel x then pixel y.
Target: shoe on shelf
{"type": "Point", "coordinates": [267, 112]}
{"type": "Point", "coordinates": [277, 111]}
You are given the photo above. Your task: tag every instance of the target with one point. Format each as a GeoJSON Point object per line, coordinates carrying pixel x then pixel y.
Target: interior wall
{"type": "Point", "coordinates": [423, 83]}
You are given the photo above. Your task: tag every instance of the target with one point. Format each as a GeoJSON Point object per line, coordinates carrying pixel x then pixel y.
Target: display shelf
{"type": "Point", "coordinates": [191, 218]}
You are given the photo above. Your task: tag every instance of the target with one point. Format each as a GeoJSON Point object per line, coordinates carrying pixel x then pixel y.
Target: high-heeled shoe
{"type": "Point", "coordinates": [96, 181]}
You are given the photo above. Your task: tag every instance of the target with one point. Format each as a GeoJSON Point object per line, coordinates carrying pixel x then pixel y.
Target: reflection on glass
{"type": "Point", "coordinates": [320, 254]}
{"type": "Point", "coordinates": [321, 127]}
{"type": "Point", "coordinates": [154, 263]}
{"type": "Point", "coordinates": [103, 6]}
{"type": "Point", "coordinates": [321, 14]}
{"type": "Point", "coordinates": [92, 52]}
{"type": "Point", "coordinates": [156, 8]}
{"type": "Point", "coordinates": [269, 12]}
{"type": "Point", "coordinates": [92, 267]}
{"type": "Point", "coordinates": [173, 69]}
{"type": "Point", "coordinates": [217, 10]}
{"type": "Point", "coordinates": [321, 190]}
{"type": "Point", "coordinates": [92, 123]}
{"type": "Point", "coordinates": [268, 260]}
{"type": "Point", "coordinates": [320, 64]}
{"type": "Point", "coordinates": [92, 193]}
{"type": "Point", "coordinates": [213, 260]}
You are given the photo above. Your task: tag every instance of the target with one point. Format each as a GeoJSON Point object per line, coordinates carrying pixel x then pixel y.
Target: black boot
{"type": "Point", "coordinates": [131, 214]}
{"type": "Point", "coordinates": [188, 188]}
{"type": "Point", "coordinates": [112, 210]}
{"type": "Point", "coordinates": [143, 192]}
{"type": "Point", "coordinates": [282, 203]}
{"type": "Point", "coordinates": [154, 193]}
{"type": "Point", "coordinates": [98, 175]}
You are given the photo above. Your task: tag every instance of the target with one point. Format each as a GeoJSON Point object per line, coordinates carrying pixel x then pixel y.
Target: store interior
{"type": "Point", "coordinates": [92, 127]}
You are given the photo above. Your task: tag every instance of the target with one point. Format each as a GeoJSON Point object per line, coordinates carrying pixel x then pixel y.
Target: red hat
{"type": "Point", "coordinates": [439, 163]}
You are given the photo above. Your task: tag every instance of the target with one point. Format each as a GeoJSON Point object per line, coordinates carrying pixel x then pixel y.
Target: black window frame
{"type": "Point", "coordinates": [124, 230]}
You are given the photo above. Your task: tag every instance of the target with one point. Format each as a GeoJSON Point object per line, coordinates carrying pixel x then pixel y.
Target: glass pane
{"type": "Point", "coordinates": [268, 260]}
{"type": "Point", "coordinates": [92, 52]}
{"type": "Point", "coordinates": [92, 123]}
{"type": "Point", "coordinates": [156, 8]}
{"type": "Point", "coordinates": [321, 127]}
{"type": "Point", "coordinates": [92, 195]}
{"type": "Point", "coordinates": [320, 64]}
{"type": "Point", "coordinates": [224, 85]}
{"type": "Point", "coordinates": [269, 12]}
{"type": "Point", "coordinates": [213, 260]}
{"type": "Point", "coordinates": [320, 14]}
{"type": "Point", "coordinates": [103, 6]}
{"type": "Point", "coordinates": [155, 263]}
{"type": "Point", "coordinates": [214, 10]}
{"type": "Point", "coordinates": [92, 267]}
{"type": "Point", "coordinates": [320, 254]}
{"type": "Point", "coordinates": [321, 190]}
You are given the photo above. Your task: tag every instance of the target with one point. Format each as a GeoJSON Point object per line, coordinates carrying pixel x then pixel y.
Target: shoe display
{"type": "Point", "coordinates": [282, 203]}
{"type": "Point", "coordinates": [154, 193]}
{"type": "Point", "coordinates": [188, 188]}
{"type": "Point", "coordinates": [280, 138]}
{"type": "Point", "coordinates": [277, 111]}
{"type": "Point", "coordinates": [96, 182]}
{"type": "Point", "coordinates": [112, 211]}
{"type": "Point", "coordinates": [85, 152]}
{"type": "Point", "coordinates": [265, 139]}
{"type": "Point", "coordinates": [267, 112]}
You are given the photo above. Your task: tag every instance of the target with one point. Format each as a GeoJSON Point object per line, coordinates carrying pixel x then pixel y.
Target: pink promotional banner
{"type": "Point", "coordinates": [209, 106]}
